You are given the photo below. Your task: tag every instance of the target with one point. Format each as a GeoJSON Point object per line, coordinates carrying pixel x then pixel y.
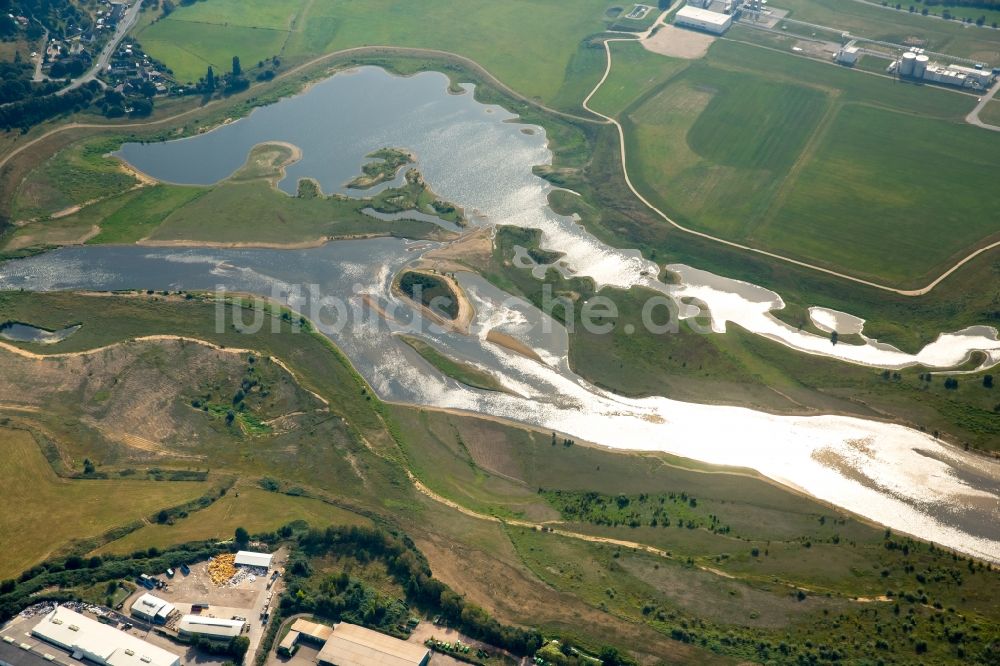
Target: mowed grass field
{"type": "Point", "coordinates": [43, 513]}
{"type": "Point", "coordinates": [816, 162]}
{"type": "Point", "coordinates": [254, 509]}
{"type": "Point", "coordinates": [528, 44]}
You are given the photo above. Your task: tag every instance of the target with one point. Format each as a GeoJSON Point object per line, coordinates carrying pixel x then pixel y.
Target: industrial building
{"type": "Point", "coordinates": [917, 65]}
{"type": "Point", "coordinates": [152, 609]}
{"type": "Point", "coordinates": [249, 558]}
{"type": "Point", "coordinates": [351, 645]}
{"type": "Point", "coordinates": [848, 54]}
{"type": "Point", "coordinates": [209, 627]}
{"type": "Point", "coordinates": [690, 16]}
{"type": "Point", "coordinates": [102, 644]}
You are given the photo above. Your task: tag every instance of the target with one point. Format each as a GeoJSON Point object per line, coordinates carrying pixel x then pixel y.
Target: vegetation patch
{"type": "Point", "coordinates": [431, 291]}
{"type": "Point", "coordinates": [388, 162]}
{"type": "Point", "coordinates": [465, 373]}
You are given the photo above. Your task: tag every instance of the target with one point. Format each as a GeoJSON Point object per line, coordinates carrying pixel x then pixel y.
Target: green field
{"type": "Point", "coordinates": [254, 509]}
{"type": "Point", "coordinates": [803, 161]}
{"type": "Point", "coordinates": [43, 513]}
{"type": "Point", "coordinates": [635, 71]}
{"type": "Point", "coordinates": [463, 372]}
{"type": "Point", "coordinates": [547, 33]}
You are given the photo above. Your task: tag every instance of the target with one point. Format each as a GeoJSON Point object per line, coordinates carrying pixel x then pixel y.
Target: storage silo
{"type": "Point", "coordinates": [906, 63]}
{"type": "Point", "coordinates": [920, 66]}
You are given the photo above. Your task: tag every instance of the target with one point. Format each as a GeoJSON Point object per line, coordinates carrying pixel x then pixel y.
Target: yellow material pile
{"type": "Point", "coordinates": [222, 568]}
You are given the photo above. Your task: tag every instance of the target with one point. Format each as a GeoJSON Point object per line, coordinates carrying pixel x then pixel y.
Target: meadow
{"type": "Point", "coordinates": [44, 513]}
{"type": "Point", "coordinates": [254, 509]}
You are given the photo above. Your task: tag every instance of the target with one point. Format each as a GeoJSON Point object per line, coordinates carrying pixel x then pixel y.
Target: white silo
{"type": "Point", "coordinates": [920, 66]}
{"type": "Point", "coordinates": [906, 63]}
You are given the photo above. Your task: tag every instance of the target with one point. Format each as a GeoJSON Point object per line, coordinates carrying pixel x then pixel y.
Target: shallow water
{"type": "Point", "coordinates": [18, 332]}
{"type": "Point", "coordinates": [473, 155]}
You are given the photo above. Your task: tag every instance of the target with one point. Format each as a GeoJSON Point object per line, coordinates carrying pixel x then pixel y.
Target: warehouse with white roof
{"type": "Point", "coordinates": [209, 627]}
{"type": "Point", "coordinates": [98, 642]}
{"type": "Point", "coordinates": [152, 609]}
{"type": "Point", "coordinates": [703, 19]}
{"type": "Point", "coordinates": [248, 558]}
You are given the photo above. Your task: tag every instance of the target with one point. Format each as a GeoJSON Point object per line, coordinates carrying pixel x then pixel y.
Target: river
{"type": "Point", "coordinates": [477, 156]}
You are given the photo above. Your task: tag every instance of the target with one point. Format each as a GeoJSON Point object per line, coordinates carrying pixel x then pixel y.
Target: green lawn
{"type": "Point", "coordinates": [991, 113]}
{"type": "Point", "coordinates": [43, 513]}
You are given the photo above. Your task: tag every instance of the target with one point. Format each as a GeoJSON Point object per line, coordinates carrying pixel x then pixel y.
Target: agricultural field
{"type": "Point", "coordinates": [831, 172]}
{"type": "Point", "coordinates": [547, 34]}
{"type": "Point", "coordinates": [44, 512]}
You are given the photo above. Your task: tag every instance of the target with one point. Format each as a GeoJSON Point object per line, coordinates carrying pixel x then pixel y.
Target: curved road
{"type": "Point", "coordinates": [973, 117]}
{"type": "Point", "coordinates": [740, 246]}
{"type": "Point", "coordinates": [601, 119]}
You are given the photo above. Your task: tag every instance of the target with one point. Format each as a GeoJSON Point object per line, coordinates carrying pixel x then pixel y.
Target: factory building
{"type": "Point", "coordinates": [690, 16]}
{"type": "Point", "coordinates": [848, 55]}
{"type": "Point", "coordinates": [249, 558]}
{"type": "Point", "coordinates": [214, 628]}
{"type": "Point", "coordinates": [351, 645]}
{"type": "Point", "coordinates": [916, 65]}
{"type": "Point", "coordinates": [102, 644]}
{"type": "Point", "coordinates": [152, 609]}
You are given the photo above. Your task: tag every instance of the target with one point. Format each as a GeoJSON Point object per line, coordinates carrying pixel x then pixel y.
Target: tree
{"type": "Point", "coordinates": [237, 69]}
{"type": "Point", "coordinates": [238, 648]}
{"type": "Point", "coordinates": [834, 337]}
{"type": "Point", "coordinates": [242, 537]}
{"type": "Point", "coordinates": [988, 381]}
{"type": "Point", "coordinates": [88, 466]}
{"type": "Point", "coordinates": [162, 517]}
{"type": "Point", "coordinates": [210, 79]}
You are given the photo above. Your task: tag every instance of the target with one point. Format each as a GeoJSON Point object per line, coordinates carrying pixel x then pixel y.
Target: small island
{"type": "Point", "coordinates": [432, 291]}
{"type": "Point", "coordinates": [388, 162]}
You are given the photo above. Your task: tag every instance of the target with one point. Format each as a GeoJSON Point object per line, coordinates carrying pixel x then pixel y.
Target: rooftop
{"type": "Point", "coordinates": [100, 642]}
{"type": "Point", "coordinates": [210, 626]}
{"type": "Point", "coordinates": [351, 645]}
{"type": "Point", "coordinates": [252, 559]}
{"type": "Point", "coordinates": [151, 605]}
{"type": "Point", "coordinates": [319, 632]}
{"type": "Point", "coordinates": [705, 15]}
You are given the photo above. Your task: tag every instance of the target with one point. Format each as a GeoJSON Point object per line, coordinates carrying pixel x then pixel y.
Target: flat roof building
{"type": "Point", "coordinates": [703, 19]}
{"type": "Point", "coordinates": [351, 645]}
{"type": "Point", "coordinates": [209, 627]}
{"type": "Point", "coordinates": [249, 558]}
{"type": "Point", "coordinates": [152, 609]}
{"type": "Point", "coordinates": [98, 642]}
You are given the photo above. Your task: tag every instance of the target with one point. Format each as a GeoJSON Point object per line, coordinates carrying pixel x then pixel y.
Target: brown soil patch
{"type": "Point", "coordinates": [678, 43]}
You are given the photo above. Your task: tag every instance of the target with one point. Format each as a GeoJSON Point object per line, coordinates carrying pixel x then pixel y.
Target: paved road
{"type": "Point", "coordinates": [40, 58]}
{"type": "Point", "coordinates": [973, 117]}
{"type": "Point", "coordinates": [124, 25]}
